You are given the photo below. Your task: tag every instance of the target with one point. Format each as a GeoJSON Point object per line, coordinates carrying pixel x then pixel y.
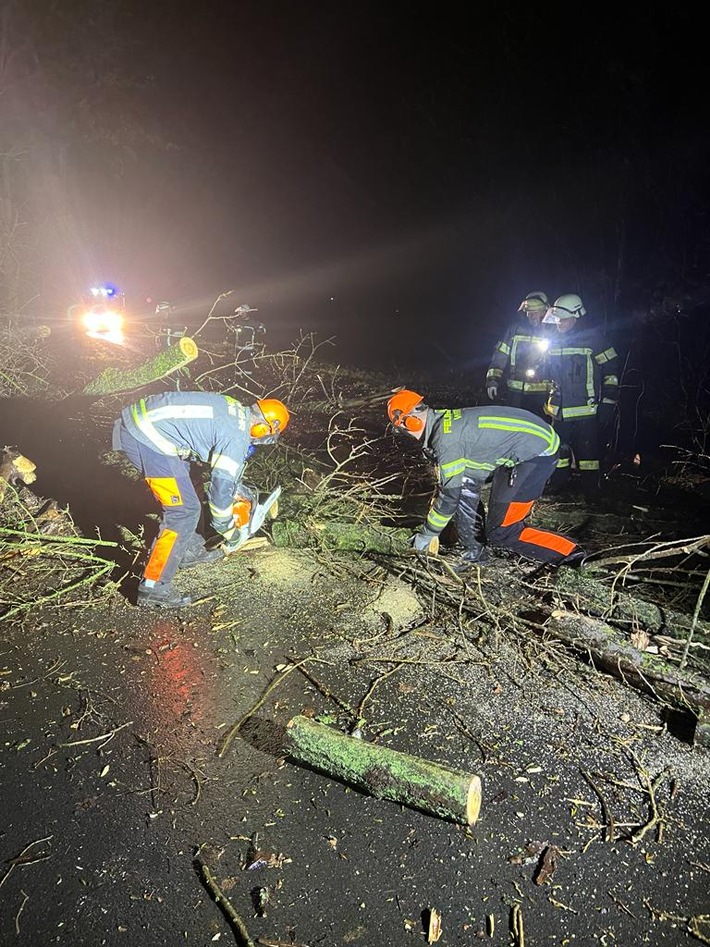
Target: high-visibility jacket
{"type": "Point", "coordinates": [584, 370]}
{"type": "Point", "coordinates": [472, 442]}
{"type": "Point", "coordinates": [197, 425]}
{"type": "Point", "coordinates": [521, 357]}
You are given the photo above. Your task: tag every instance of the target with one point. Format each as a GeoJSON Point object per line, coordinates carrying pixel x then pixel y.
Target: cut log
{"type": "Point", "coordinates": [352, 537]}
{"type": "Point", "coordinates": [612, 651]}
{"type": "Point", "coordinates": [114, 380]}
{"type": "Point", "coordinates": [384, 773]}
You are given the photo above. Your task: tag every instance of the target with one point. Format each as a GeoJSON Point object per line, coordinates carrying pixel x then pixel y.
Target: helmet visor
{"type": "Point", "coordinates": [555, 314]}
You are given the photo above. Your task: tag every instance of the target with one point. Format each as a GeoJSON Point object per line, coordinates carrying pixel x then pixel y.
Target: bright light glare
{"type": "Point", "coordinates": [105, 324]}
{"type": "Point", "coordinates": [543, 344]}
{"type": "Point", "coordinates": [530, 372]}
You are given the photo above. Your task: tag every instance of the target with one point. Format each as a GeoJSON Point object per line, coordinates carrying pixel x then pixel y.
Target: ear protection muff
{"type": "Point", "coordinates": [410, 422]}
{"type": "Point", "coordinates": [260, 429]}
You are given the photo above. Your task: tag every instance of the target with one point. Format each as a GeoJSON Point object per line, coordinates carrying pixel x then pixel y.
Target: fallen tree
{"type": "Point", "coordinates": [172, 359]}
{"type": "Point", "coordinates": [385, 773]}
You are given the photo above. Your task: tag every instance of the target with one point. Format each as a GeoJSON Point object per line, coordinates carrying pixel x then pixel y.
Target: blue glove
{"type": "Point", "coordinates": [422, 540]}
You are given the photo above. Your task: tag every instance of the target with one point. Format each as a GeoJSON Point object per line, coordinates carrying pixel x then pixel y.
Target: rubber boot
{"type": "Point", "coordinates": [160, 595]}
{"type": "Point", "coordinates": [473, 556]}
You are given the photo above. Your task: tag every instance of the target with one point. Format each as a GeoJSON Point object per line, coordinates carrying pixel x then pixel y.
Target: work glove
{"type": "Point", "coordinates": [422, 541]}
{"type": "Point", "coordinates": [492, 391]}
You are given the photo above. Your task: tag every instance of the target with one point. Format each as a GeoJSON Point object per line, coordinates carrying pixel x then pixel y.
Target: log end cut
{"type": "Point", "coordinates": [473, 801]}
{"type": "Point", "coordinates": [188, 347]}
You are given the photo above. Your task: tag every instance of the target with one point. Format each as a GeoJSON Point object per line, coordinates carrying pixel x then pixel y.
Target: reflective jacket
{"type": "Point", "coordinates": [521, 356]}
{"type": "Point", "coordinates": [197, 425]}
{"type": "Point", "coordinates": [472, 442]}
{"type": "Point", "coordinates": [584, 371]}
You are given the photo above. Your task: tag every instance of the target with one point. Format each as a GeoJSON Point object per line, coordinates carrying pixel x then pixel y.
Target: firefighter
{"type": "Point", "coordinates": [510, 447]}
{"type": "Point", "coordinates": [160, 435]}
{"type": "Point", "coordinates": [519, 360]}
{"type": "Point", "coordinates": [585, 391]}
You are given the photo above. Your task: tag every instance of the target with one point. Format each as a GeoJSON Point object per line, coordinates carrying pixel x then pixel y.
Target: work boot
{"type": "Point", "coordinates": [474, 556]}
{"type": "Point", "coordinates": [575, 560]}
{"type": "Point", "coordinates": [200, 556]}
{"type": "Point", "coordinates": [160, 596]}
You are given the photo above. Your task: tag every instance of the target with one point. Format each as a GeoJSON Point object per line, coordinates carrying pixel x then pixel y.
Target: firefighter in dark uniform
{"type": "Point", "coordinates": [585, 391]}
{"type": "Point", "coordinates": [160, 435]}
{"type": "Point", "coordinates": [519, 361]}
{"type": "Point", "coordinates": [513, 449]}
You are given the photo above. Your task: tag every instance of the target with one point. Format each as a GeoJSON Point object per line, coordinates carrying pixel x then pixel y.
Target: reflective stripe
{"type": "Point", "coordinates": [503, 348]}
{"type": "Point", "coordinates": [563, 462]}
{"type": "Point", "coordinates": [515, 385]}
{"type": "Point", "coordinates": [494, 373]}
{"type": "Point", "coordinates": [227, 464]}
{"type": "Point", "coordinates": [610, 380]}
{"type": "Point", "coordinates": [584, 411]}
{"type": "Point", "coordinates": [182, 411]}
{"type": "Point", "coordinates": [160, 555]}
{"type": "Point", "coordinates": [437, 520]}
{"type": "Point", "coordinates": [588, 464]}
{"type": "Point", "coordinates": [220, 512]}
{"type": "Point", "coordinates": [606, 356]}
{"type": "Point", "coordinates": [549, 436]}
{"type": "Point", "coordinates": [459, 466]}
{"type": "Point", "coordinates": [139, 413]}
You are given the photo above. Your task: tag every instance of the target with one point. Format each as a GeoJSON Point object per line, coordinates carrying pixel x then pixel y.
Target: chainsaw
{"type": "Point", "coordinates": [249, 517]}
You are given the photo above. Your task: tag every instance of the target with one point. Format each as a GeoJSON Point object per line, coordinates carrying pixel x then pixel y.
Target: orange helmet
{"type": "Point", "coordinates": [275, 418]}
{"type": "Point", "coordinates": [400, 407]}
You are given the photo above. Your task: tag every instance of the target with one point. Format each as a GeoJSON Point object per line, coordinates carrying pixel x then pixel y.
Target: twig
{"type": "Point", "coordinates": [606, 813]}
{"type": "Point", "coordinates": [19, 859]}
{"type": "Point", "coordinates": [240, 928]}
{"type": "Point", "coordinates": [696, 613]}
{"type": "Point", "coordinates": [104, 736]}
{"type": "Point", "coordinates": [25, 899]}
{"type": "Point", "coordinates": [236, 727]}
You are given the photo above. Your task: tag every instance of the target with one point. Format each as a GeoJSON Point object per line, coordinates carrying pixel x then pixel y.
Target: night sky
{"type": "Point", "coordinates": [398, 176]}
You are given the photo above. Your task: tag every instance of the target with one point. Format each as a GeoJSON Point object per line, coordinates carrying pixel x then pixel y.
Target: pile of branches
{"type": "Point", "coordinates": [24, 362]}
{"type": "Point", "coordinates": [44, 561]}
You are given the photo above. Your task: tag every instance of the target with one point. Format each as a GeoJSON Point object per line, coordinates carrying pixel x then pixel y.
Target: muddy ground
{"type": "Point", "coordinates": [594, 819]}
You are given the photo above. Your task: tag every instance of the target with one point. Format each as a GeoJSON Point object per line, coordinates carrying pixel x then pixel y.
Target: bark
{"type": "Point", "coordinates": [353, 537]}
{"type": "Point", "coordinates": [113, 380]}
{"type": "Point", "coordinates": [384, 773]}
{"type": "Point", "coordinates": [611, 651]}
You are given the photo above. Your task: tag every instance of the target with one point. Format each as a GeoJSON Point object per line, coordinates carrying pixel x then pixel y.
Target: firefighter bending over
{"type": "Point", "coordinates": [160, 435]}
{"type": "Point", "coordinates": [513, 449]}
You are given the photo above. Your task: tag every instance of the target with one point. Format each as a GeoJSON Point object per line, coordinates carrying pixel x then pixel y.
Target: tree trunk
{"type": "Point", "coordinates": [384, 773]}
{"type": "Point", "coordinates": [113, 380]}
{"type": "Point", "coordinates": [611, 650]}
{"type": "Point", "coordinates": [353, 537]}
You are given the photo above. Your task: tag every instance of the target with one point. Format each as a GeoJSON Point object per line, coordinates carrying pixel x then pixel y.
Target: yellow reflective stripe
{"type": "Point", "coordinates": [563, 462]}
{"type": "Point", "coordinates": [515, 385]}
{"type": "Point", "coordinates": [535, 386]}
{"type": "Point", "coordinates": [225, 463]}
{"type": "Point", "coordinates": [606, 356]}
{"type": "Point", "coordinates": [588, 464]}
{"type": "Point", "coordinates": [139, 413]}
{"type": "Point", "coordinates": [520, 427]}
{"type": "Point", "coordinates": [494, 373]}
{"type": "Point", "coordinates": [608, 401]}
{"type": "Point", "coordinates": [584, 411]}
{"type": "Point", "coordinates": [503, 348]}
{"type": "Point", "coordinates": [610, 380]}
{"type": "Point", "coordinates": [437, 520]}
{"type": "Point", "coordinates": [459, 466]}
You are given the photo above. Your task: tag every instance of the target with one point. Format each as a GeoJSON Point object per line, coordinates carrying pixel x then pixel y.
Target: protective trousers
{"type": "Point", "coordinates": [533, 401]}
{"type": "Point", "coordinates": [513, 492]}
{"type": "Point", "coordinates": [169, 480]}
{"type": "Point", "coordinates": [579, 444]}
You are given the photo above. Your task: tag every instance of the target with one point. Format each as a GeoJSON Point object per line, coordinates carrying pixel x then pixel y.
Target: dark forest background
{"type": "Point", "coordinates": [395, 180]}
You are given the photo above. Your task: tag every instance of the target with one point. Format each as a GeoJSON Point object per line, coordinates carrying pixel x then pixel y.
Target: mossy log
{"type": "Point", "coordinates": [113, 380]}
{"type": "Point", "coordinates": [353, 537]}
{"type": "Point", "coordinates": [611, 651]}
{"type": "Point", "coordinates": [384, 773]}
{"type": "Point", "coordinates": [591, 593]}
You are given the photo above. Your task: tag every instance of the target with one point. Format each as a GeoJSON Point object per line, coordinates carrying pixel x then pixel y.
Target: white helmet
{"type": "Point", "coordinates": [534, 302]}
{"type": "Point", "coordinates": [569, 306]}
